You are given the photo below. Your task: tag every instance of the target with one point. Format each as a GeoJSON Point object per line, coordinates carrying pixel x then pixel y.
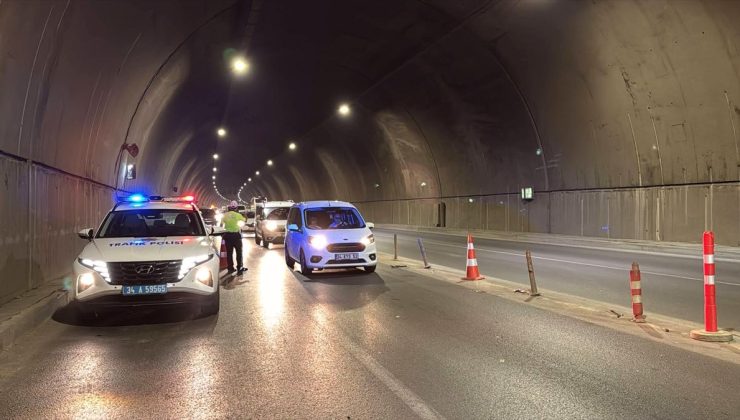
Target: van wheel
{"type": "Point", "coordinates": [256, 239]}
{"type": "Point", "coordinates": [289, 261]}
{"type": "Point", "coordinates": [305, 269]}
{"type": "Point", "coordinates": [265, 244]}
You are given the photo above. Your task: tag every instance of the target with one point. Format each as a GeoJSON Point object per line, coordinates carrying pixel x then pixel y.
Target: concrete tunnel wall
{"type": "Point", "coordinates": [633, 106]}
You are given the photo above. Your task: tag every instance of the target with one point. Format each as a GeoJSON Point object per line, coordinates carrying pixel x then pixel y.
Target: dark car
{"type": "Point", "coordinates": [209, 216]}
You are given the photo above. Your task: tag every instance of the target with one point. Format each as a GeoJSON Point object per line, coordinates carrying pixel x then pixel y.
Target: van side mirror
{"type": "Point", "coordinates": [293, 227]}
{"type": "Point", "coordinates": [370, 225]}
{"type": "Point", "coordinates": [86, 234]}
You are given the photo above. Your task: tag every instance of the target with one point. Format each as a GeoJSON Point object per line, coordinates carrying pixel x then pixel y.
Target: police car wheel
{"type": "Point", "coordinates": [212, 304]}
{"type": "Point", "coordinates": [370, 268]}
{"type": "Point", "coordinates": [265, 244]}
{"type": "Point", "coordinates": [256, 239]}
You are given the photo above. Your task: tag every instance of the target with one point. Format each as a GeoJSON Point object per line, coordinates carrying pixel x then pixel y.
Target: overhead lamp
{"type": "Point", "coordinates": [257, 172]}
{"type": "Point", "coordinates": [249, 179]}
{"type": "Point", "coordinates": [292, 146]}
{"type": "Point", "coordinates": [239, 65]}
{"type": "Point", "coordinates": [215, 169]}
{"type": "Point", "coordinates": [344, 110]}
{"type": "Point", "coordinates": [213, 177]}
{"type": "Point", "coordinates": [269, 162]}
{"type": "Point", "coordinates": [215, 155]}
{"type": "Point", "coordinates": [221, 132]}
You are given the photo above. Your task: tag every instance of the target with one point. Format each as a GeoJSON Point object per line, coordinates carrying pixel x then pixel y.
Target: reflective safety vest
{"type": "Point", "coordinates": [231, 221]}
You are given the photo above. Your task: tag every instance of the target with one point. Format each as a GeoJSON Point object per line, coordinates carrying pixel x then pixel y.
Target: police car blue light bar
{"type": "Point", "coordinates": [136, 198]}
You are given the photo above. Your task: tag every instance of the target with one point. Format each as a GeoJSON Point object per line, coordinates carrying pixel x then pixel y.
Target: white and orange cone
{"type": "Point", "coordinates": [471, 272]}
{"type": "Point", "coordinates": [222, 261]}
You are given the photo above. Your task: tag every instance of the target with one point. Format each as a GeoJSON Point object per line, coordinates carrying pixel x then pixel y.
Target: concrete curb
{"type": "Point", "coordinates": [28, 312]}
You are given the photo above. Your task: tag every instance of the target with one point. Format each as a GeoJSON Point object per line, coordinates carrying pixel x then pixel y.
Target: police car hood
{"type": "Point", "coordinates": [147, 249]}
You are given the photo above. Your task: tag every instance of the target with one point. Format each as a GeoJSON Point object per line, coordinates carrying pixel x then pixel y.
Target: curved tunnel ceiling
{"type": "Point", "coordinates": [449, 99]}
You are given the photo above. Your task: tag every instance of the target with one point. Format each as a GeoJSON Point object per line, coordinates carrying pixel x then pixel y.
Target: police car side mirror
{"type": "Point", "coordinates": [293, 227]}
{"type": "Point", "coordinates": [86, 234]}
{"type": "Point", "coordinates": [217, 230]}
{"type": "Point", "coordinates": [370, 225]}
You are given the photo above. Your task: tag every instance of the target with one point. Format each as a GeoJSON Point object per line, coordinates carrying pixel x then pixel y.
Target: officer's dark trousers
{"type": "Point", "coordinates": [233, 242]}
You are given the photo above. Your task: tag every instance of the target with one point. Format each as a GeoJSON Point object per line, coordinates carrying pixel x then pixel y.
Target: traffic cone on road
{"type": "Point", "coordinates": [222, 261]}
{"type": "Point", "coordinates": [471, 272]}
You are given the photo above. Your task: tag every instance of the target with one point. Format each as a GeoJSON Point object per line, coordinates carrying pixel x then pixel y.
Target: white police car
{"type": "Point", "coordinates": [149, 251]}
{"type": "Point", "coordinates": [329, 234]}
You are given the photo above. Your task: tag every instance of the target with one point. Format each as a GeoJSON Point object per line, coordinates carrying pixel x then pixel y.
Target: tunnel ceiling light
{"type": "Point", "coordinates": [249, 179]}
{"type": "Point", "coordinates": [245, 184]}
{"type": "Point", "coordinates": [292, 146]}
{"type": "Point", "coordinates": [257, 173]}
{"type": "Point", "coordinates": [239, 65]}
{"type": "Point", "coordinates": [423, 184]}
{"type": "Point", "coordinates": [213, 177]}
{"type": "Point", "coordinates": [538, 152]}
{"type": "Point", "coordinates": [221, 132]}
{"type": "Point", "coordinates": [344, 110]}
{"type": "Point", "coordinates": [377, 185]}
{"type": "Point", "coordinates": [215, 169]}
{"type": "Point", "coordinates": [269, 162]}
{"type": "Point", "coordinates": [470, 200]}
{"type": "Point", "coordinates": [215, 155]}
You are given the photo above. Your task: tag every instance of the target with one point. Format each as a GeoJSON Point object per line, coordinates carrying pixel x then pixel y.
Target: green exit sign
{"type": "Point", "coordinates": [527, 193]}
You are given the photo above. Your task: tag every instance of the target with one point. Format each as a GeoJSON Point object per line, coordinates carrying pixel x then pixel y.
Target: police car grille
{"type": "Point", "coordinates": [139, 272]}
{"type": "Point", "coordinates": [346, 247]}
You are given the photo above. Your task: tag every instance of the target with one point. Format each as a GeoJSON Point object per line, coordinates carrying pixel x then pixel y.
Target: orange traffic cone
{"type": "Point", "coordinates": [472, 272]}
{"type": "Point", "coordinates": [222, 262]}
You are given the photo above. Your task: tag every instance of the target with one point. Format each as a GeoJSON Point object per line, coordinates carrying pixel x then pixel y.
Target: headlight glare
{"type": "Point", "coordinates": [204, 276]}
{"type": "Point", "coordinates": [318, 242]}
{"type": "Point", "coordinates": [84, 281]}
{"type": "Point", "coordinates": [271, 225]}
{"type": "Point", "coordinates": [370, 239]}
{"type": "Point", "coordinates": [190, 262]}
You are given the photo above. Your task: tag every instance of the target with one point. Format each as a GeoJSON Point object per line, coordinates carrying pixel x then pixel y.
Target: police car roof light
{"type": "Point", "coordinates": [136, 198]}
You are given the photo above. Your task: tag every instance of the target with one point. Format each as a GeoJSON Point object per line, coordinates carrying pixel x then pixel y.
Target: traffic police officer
{"type": "Point", "coordinates": [233, 237]}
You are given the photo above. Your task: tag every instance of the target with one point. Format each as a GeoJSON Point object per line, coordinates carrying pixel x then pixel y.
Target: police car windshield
{"type": "Point", "coordinates": [333, 218]}
{"type": "Point", "coordinates": [149, 222]}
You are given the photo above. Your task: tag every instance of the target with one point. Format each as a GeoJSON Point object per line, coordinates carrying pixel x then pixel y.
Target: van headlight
{"type": "Point", "coordinates": [270, 225]}
{"type": "Point", "coordinates": [318, 242]}
{"type": "Point", "coordinates": [190, 262]}
{"type": "Point", "coordinates": [99, 266]}
{"type": "Point", "coordinates": [369, 239]}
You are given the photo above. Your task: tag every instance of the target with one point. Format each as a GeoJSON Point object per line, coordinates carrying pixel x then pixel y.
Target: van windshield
{"type": "Point", "coordinates": [333, 218]}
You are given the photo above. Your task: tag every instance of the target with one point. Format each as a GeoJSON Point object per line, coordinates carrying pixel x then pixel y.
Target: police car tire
{"type": "Point", "coordinates": [212, 305]}
{"type": "Point", "coordinates": [370, 268]}
{"type": "Point", "coordinates": [265, 244]}
{"type": "Point", "coordinates": [256, 239]}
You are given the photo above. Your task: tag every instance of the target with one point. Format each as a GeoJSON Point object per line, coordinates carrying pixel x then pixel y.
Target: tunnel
{"type": "Point", "coordinates": [622, 118]}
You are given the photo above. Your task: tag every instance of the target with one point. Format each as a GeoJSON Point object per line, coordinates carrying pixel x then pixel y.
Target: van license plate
{"type": "Point", "coordinates": [154, 289]}
{"type": "Point", "coordinates": [347, 256]}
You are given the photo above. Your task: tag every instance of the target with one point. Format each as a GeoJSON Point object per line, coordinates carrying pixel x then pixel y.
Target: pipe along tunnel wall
{"type": "Point", "coordinates": [623, 116]}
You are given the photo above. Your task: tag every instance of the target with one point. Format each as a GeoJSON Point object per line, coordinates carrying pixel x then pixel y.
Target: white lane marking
{"type": "Point", "coordinates": [413, 401]}
{"type": "Point", "coordinates": [578, 263]}
{"type": "Point", "coordinates": [404, 393]}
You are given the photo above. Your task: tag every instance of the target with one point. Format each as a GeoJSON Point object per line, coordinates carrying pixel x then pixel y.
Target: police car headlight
{"type": "Point", "coordinates": [370, 239]}
{"type": "Point", "coordinates": [190, 262]}
{"type": "Point", "coordinates": [99, 266]}
{"type": "Point", "coordinates": [84, 281]}
{"type": "Point", "coordinates": [270, 225]}
{"type": "Point", "coordinates": [318, 242]}
{"type": "Point", "coordinates": [204, 276]}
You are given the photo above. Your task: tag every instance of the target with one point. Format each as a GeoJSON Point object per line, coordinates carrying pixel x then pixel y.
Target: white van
{"type": "Point", "coordinates": [329, 234]}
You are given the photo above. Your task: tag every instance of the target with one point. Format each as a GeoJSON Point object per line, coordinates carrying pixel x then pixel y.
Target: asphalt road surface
{"type": "Point", "coordinates": [391, 345]}
{"type": "Point", "coordinates": [672, 285]}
